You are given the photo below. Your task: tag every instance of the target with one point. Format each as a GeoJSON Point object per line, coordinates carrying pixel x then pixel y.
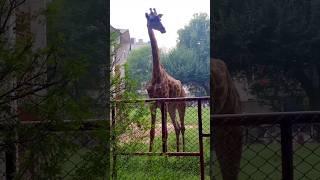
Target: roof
{"type": "Point", "coordinates": [123, 30]}
{"type": "Point", "coordinates": [113, 29]}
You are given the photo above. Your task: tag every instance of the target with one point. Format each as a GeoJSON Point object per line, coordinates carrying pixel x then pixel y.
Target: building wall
{"type": "Point", "coordinates": [24, 24]}
{"type": "Point", "coordinates": [249, 101]}
{"type": "Point", "coordinates": [124, 49]}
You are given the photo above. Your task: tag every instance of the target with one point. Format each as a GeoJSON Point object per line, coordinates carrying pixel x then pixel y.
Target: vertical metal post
{"type": "Point", "coordinates": [200, 139]}
{"type": "Point", "coordinates": [113, 143]}
{"type": "Point", "coordinates": [164, 126]}
{"type": "Point", "coordinates": [286, 150]}
{"type": "Point", "coordinates": [10, 159]}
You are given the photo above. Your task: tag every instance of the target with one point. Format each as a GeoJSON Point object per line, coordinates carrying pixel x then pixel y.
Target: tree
{"type": "Point", "coordinates": [81, 25]}
{"type": "Point", "coordinates": [183, 64]}
{"type": "Point", "coordinates": [195, 36]}
{"type": "Point", "coordinates": [276, 41]}
{"type": "Point", "coordinates": [189, 61]}
{"type": "Point", "coordinates": [139, 65]}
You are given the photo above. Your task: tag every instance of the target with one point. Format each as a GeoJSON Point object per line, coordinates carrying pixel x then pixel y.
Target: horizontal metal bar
{"type": "Point", "coordinates": [161, 154]}
{"type": "Point", "coordinates": [266, 114]}
{"type": "Point", "coordinates": [205, 135]}
{"type": "Point", "coordinates": [266, 118]}
{"type": "Point", "coordinates": [67, 125]}
{"type": "Point", "coordinates": [164, 99]}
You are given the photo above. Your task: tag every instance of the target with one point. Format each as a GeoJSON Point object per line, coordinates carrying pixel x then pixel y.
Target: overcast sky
{"type": "Point", "coordinates": [130, 14]}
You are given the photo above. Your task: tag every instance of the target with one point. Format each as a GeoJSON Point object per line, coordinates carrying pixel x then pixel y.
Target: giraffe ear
{"type": "Point", "coordinates": [160, 15]}
{"type": "Point", "coordinates": [147, 16]}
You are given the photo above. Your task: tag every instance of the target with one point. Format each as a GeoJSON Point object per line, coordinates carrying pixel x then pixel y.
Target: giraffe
{"type": "Point", "coordinates": [162, 85]}
{"type": "Point", "coordinates": [227, 141]}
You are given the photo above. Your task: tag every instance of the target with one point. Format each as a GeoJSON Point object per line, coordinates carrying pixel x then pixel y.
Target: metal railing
{"type": "Point", "coordinates": [197, 101]}
{"type": "Point", "coordinates": [285, 120]}
{"type": "Point", "coordinates": [26, 135]}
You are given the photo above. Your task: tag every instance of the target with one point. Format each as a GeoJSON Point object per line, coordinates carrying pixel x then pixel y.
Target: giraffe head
{"type": "Point", "coordinates": [154, 21]}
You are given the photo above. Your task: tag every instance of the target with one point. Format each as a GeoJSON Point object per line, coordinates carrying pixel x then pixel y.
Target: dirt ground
{"type": "Point", "coordinates": [137, 134]}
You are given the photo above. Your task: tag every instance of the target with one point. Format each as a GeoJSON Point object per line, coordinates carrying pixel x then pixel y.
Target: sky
{"type": "Point", "coordinates": [130, 14]}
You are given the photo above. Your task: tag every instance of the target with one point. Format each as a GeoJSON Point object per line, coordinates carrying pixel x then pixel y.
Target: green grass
{"type": "Point", "coordinates": [160, 167]}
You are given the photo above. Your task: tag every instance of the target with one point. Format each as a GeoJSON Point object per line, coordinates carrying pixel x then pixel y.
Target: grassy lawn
{"type": "Point", "coordinates": [160, 167]}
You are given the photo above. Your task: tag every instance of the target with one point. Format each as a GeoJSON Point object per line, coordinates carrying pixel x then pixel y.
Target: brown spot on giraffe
{"type": "Point", "coordinates": [226, 141]}
{"type": "Point", "coordinates": [162, 85]}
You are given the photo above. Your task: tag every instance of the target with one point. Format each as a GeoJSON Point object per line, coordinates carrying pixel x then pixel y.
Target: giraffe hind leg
{"type": "Point", "coordinates": [153, 110]}
{"type": "Point", "coordinates": [182, 111]}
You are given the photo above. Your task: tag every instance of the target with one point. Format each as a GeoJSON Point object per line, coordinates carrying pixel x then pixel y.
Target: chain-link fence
{"type": "Point", "coordinates": [274, 146]}
{"type": "Point", "coordinates": [170, 148]}
{"type": "Point", "coordinates": [70, 150]}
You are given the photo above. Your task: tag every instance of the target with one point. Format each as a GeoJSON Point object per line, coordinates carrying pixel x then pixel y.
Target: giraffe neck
{"type": "Point", "coordinates": [156, 70]}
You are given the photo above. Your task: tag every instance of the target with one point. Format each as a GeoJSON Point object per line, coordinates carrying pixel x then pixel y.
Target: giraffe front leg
{"type": "Point", "coordinates": [228, 147]}
{"type": "Point", "coordinates": [164, 127]}
{"type": "Point", "coordinates": [172, 112]}
{"type": "Point", "coordinates": [153, 110]}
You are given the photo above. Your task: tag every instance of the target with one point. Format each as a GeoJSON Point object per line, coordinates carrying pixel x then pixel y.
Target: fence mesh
{"type": "Point", "coordinates": [131, 155]}
{"type": "Point", "coordinates": [43, 151]}
{"type": "Point", "coordinates": [261, 148]}
{"type": "Point", "coordinates": [75, 150]}
{"type": "Point", "coordinates": [306, 154]}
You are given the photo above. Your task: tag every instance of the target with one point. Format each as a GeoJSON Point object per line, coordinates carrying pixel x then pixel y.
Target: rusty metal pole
{"type": "Point", "coordinates": [200, 139]}
{"type": "Point", "coordinates": [113, 143]}
{"type": "Point", "coordinates": [164, 127]}
{"type": "Point", "coordinates": [286, 150]}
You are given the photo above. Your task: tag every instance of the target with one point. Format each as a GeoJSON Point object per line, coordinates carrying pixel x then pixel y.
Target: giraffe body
{"type": "Point", "coordinates": [162, 85]}
{"type": "Point", "coordinates": [227, 140]}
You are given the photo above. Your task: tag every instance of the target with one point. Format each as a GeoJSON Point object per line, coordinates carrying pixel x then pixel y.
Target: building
{"type": "Point", "coordinates": [249, 101]}
{"type": "Point", "coordinates": [123, 50]}
{"type": "Point", "coordinates": [24, 22]}
{"type": "Point", "coordinates": [139, 44]}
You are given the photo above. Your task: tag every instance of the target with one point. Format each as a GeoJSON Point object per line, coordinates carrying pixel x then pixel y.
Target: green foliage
{"type": "Point", "coordinates": [280, 37]}
{"type": "Point", "coordinates": [45, 81]}
{"type": "Point", "coordinates": [139, 64]}
{"type": "Point", "coordinates": [185, 65]}
{"type": "Point", "coordinates": [82, 26]}
{"type": "Point", "coordinates": [195, 36]}
{"type": "Point", "coordinates": [189, 61]}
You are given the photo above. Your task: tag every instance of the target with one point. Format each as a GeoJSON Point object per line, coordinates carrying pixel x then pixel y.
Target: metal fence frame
{"type": "Point", "coordinates": [164, 152]}
{"type": "Point", "coordinates": [285, 119]}
{"type": "Point", "coordinates": [11, 164]}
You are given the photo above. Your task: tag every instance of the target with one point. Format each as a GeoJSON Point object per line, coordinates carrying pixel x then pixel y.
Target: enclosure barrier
{"type": "Point", "coordinates": [198, 102]}
{"type": "Point", "coordinates": [297, 139]}
{"type": "Point", "coordinates": [24, 136]}
{"type": "Point", "coordinates": [294, 141]}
